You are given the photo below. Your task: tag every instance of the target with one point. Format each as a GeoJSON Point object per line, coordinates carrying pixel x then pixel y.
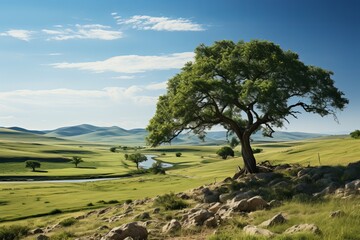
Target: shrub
{"type": "Point", "coordinates": [68, 222]}
{"type": "Point", "coordinates": [257, 150]}
{"type": "Point", "coordinates": [178, 154]}
{"type": "Point", "coordinates": [157, 168]}
{"type": "Point", "coordinates": [224, 152]}
{"type": "Point", "coordinates": [90, 204]}
{"type": "Point", "coordinates": [13, 232]}
{"type": "Point", "coordinates": [170, 202]}
{"type": "Point", "coordinates": [128, 201]}
{"type": "Point", "coordinates": [112, 202]}
{"type": "Point", "coordinates": [355, 134]}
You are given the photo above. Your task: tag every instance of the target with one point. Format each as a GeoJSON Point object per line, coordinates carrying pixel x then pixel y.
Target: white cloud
{"type": "Point", "coordinates": [24, 35]}
{"type": "Point", "coordinates": [132, 63]}
{"type": "Point", "coordinates": [143, 22]}
{"type": "Point", "coordinates": [55, 54]}
{"type": "Point", "coordinates": [114, 13]}
{"type": "Point", "coordinates": [90, 31]}
{"type": "Point", "coordinates": [124, 77]}
{"type": "Point", "coordinates": [157, 86]}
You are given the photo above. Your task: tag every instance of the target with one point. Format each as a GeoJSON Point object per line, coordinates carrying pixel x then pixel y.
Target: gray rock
{"type": "Point", "coordinates": [226, 196]}
{"type": "Point", "coordinates": [133, 230]}
{"type": "Point", "coordinates": [197, 218]}
{"type": "Point", "coordinates": [42, 237]}
{"type": "Point", "coordinates": [243, 195]}
{"type": "Point", "coordinates": [256, 231]}
{"type": "Point", "coordinates": [274, 203]}
{"type": "Point", "coordinates": [172, 226]}
{"type": "Point", "coordinates": [215, 207]}
{"type": "Point", "coordinates": [277, 219]}
{"type": "Point", "coordinates": [239, 206]}
{"type": "Point", "coordinates": [303, 228]}
{"type": "Point", "coordinates": [142, 216]}
{"type": "Point", "coordinates": [211, 222]}
{"type": "Point", "coordinates": [256, 203]}
{"type": "Point", "coordinates": [156, 210]}
{"type": "Point", "coordinates": [338, 213]}
{"type": "Point", "coordinates": [37, 231]}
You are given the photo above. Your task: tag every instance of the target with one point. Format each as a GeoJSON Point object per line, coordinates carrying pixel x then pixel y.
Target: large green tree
{"type": "Point", "coordinates": [32, 164]}
{"type": "Point", "coordinates": [137, 158]}
{"type": "Point", "coordinates": [245, 87]}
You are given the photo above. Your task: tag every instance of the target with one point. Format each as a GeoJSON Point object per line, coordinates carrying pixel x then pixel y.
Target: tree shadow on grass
{"type": "Point", "coordinates": [87, 167]}
{"type": "Point", "coordinates": [41, 171]}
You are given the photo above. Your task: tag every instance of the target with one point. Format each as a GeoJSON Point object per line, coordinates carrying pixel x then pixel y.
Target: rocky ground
{"type": "Point", "coordinates": [214, 205]}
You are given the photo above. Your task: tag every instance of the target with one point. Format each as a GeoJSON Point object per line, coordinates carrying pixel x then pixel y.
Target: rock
{"type": "Point", "coordinates": [133, 230]}
{"type": "Point", "coordinates": [211, 222]}
{"type": "Point", "coordinates": [266, 176]}
{"type": "Point", "coordinates": [274, 203]}
{"type": "Point", "coordinates": [197, 218]}
{"type": "Point", "coordinates": [142, 216]}
{"type": "Point", "coordinates": [352, 171]}
{"type": "Point", "coordinates": [338, 213]}
{"type": "Point", "coordinates": [277, 219]}
{"type": "Point", "coordinates": [254, 230]}
{"type": "Point", "coordinates": [42, 237]}
{"type": "Point", "coordinates": [353, 186]}
{"type": "Point", "coordinates": [211, 197]}
{"type": "Point", "coordinates": [172, 226]}
{"type": "Point", "coordinates": [103, 227]}
{"type": "Point", "coordinates": [244, 195]}
{"type": "Point", "coordinates": [303, 228]}
{"type": "Point", "coordinates": [256, 203]}
{"type": "Point", "coordinates": [239, 206]}
{"type": "Point", "coordinates": [184, 196]}
{"type": "Point", "coordinates": [36, 231]}
{"type": "Point", "coordinates": [156, 210]}
{"type": "Point", "coordinates": [215, 207]}
{"type": "Point", "coordinates": [223, 198]}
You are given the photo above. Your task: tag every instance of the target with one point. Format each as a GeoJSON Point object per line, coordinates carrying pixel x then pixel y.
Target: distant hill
{"type": "Point", "coordinates": [119, 136]}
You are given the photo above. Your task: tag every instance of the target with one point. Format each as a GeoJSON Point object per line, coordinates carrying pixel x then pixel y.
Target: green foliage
{"type": "Point", "coordinates": [13, 232]}
{"type": "Point", "coordinates": [245, 87]}
{"type": "Point", "coordinates": [137, 158]}
{"type": "Point", "coordinates": [76, 160]}
{"type": "Point", "coordinates": [224, 152]}
{"type": "Point", "coordinates": [113, 149]}
{"type": "Point", "coordinates": [234, 142]}
{"type": "Point", "coordinates": [178, 154]}
{"type": "Point", "coordinates": [32, 164]}
{"type": "Point", "coordinates": [355, 134]}
{"type": "Point", "coordinates": [68, 222]}
{"type": "Point", "coordinates": [170, 202]}
{"type": "Point", "coordinates": [257, 150]}
{"type": "Point", "coordinates": [126, 156]}
{"type": "Point", "coordinates": [157, 168]}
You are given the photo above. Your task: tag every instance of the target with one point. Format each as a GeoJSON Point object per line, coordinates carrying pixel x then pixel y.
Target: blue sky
{"type": "Point", "coordinates": [105, 63]}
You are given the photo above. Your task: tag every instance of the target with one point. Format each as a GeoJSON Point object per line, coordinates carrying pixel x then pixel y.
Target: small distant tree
{"type": "Point", "coordinates": [224, 152]}
{"type": "Point", "coordinates": [113, 149]}
{"type": "Point", "coordinates": [126, 156]}
{"type": "Point", "coordinates": [32, 164]}
{"type": "Point", "coordinates": [178, 154]}
{"type": "Point", "coordinates": [137, 158]}
{"type": "Point", "coordinates": [76, 160]}
{"type": "Point", "coordinates": [355, 134]}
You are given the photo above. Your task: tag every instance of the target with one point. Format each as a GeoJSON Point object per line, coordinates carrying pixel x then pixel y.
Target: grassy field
{"type": "Point", "coordinates": [198, 165]}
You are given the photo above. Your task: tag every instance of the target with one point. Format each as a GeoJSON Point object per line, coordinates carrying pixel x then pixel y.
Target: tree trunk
{"type": "Point", "coordinates": [247, 154]}
{"type": "Point", "coordinates": [137, 166]}
{"type": "Point", "coordinates": [33, 169]}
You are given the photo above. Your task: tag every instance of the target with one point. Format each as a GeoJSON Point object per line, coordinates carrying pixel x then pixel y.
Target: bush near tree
{"type": "Point", "coordinates": [224, 152]}
{"type": "Point", "coordinates": [178, 154]}
{"type": "Point", "coordinates": [355, 134]}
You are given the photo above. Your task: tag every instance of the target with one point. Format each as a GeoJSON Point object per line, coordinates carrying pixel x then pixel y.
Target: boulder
{"type": "Point", "coordinates": [36, 231]}
{"type": "Point", "coordinates": [223, 198]}
{"type": "Point", "coordinates": [277, 219]}
{"type": "Point", "coordinates": [352, 186]}
{"type": "Point", "coordinates": [42, 237]}
{"type": "Point", "coordinates": [211, 222]}
{"type": "Point", "coordinates": [243, 195]}
{"type": "Point", "coordinates": [156, 210]}
{"type": "Point", "coordinates": [274, 203]}
{"type": "Point", "coordinates": [254, 230]}
{"type": "Point", "coordinates": [197, 218]}
{"type": "Point", "coordinates": [172, 226]}
{"type": "Point", "coordinates": [338, 213]}
{"type": "Point", "coordinates": [303, 228]}
{"type": "Point", "coordinates": [133, 230]}
{"type": "Point", "coordinates": [142, 216]}
{"type": "Point", "coordinates": [239, 206]}
{"type": "Point", "coordinates": [211, 197]}
{"type": "Point", "coordinates": [256, 203]}
{"type": "Point", "coordinates": [215, 207]}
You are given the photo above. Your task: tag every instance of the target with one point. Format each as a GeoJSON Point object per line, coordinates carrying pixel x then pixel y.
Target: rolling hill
{"type": "Point", "coordinates": [117, 135]}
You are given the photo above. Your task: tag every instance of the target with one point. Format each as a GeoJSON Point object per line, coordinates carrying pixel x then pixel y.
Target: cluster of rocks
{"type": "Point", "coordinates": [218, 202]}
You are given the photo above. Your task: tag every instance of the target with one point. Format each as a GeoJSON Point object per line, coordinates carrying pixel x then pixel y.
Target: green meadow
{"type": "Point", "coordinates": [32, 203]}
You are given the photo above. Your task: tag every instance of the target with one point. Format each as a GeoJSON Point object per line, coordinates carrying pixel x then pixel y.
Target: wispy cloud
{"type": "Point", "coordinates": [124, 77]}
{"type": "Point", "coordinates": [24, 35]}
{"type": "Point", "coordinates": [132, 63]}
{"type": "Point", "coordinates": [144, 22]}
{"type": "Point", "coordinates": [89, 31]}
{"type": "Point", "coordinates": [157, 86]}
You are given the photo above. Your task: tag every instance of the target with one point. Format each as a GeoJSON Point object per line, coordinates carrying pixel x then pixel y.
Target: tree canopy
{"type": "Point", "coordinates": [76, 160]}
{"type": "Point", "coordinates": [137, 158]}
{"type": "Point", "coordinates": [32, 164]}
{"type": "Point", "coordinates": [355, 134]}
{"type": "Point", "coordinates": [245, 87]}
